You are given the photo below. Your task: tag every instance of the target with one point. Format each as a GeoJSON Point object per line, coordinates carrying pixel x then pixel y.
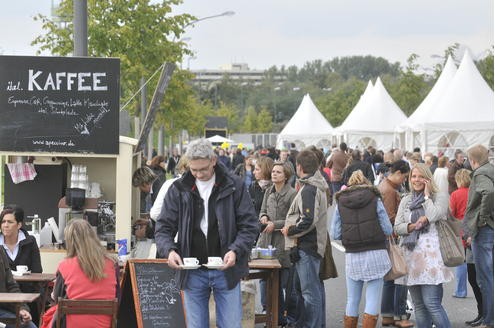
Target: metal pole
{"type": "Point", "coordinates": [80, 28]}
{"type": "Point", "coordinates": [143, 109]}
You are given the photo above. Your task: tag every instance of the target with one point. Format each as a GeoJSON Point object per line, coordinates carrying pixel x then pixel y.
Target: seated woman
{"type": "Point", "coordinates": [87, 273]}
{"type": "Point", "coordinates": [9, 285]}
{"type": "Point", "coordinates": [21, 249]}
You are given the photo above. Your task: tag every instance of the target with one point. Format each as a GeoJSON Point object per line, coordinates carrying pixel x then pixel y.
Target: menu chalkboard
{"type": "Point", "coordinates": [150, 297]}
{"type": "Point", "coordinates": [59, 104]}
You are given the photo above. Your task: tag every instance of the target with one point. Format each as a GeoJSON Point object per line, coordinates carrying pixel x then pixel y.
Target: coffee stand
{"type": "Point", "coordinates": [61, 112]}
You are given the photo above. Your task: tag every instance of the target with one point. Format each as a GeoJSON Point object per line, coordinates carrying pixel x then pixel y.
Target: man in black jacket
{"type": "Point", "coordinates": [212, 214]}
{"type": "Point", "coordinates": [358, 164]}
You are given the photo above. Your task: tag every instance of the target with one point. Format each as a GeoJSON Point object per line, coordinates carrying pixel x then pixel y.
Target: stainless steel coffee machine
{"type": "Point", "coordinates": [106, 223]}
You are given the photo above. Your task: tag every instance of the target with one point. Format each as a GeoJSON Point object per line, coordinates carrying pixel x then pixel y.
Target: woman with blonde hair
{"type": "Point", "coordinates": [87, 273]}
{"type": "Point", "coordinates": [362, 223]}
{"type": "Point", "coordinates": [415, 223]}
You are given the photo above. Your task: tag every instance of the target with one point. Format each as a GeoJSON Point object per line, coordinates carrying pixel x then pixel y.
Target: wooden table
{"type": "Point", "coordinates": [43, 279]}
{"type": "Point", "coordinates": [269, 270]}
{"type": "Point", "coordinates": [18, 299]}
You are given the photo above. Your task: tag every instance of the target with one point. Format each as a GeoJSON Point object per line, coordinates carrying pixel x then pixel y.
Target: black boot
{"type": "Point", "coordinates": [475, 322]}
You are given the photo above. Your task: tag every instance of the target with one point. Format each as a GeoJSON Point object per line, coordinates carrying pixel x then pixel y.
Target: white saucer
{"type": "Point", "coordinates": [190, 267]}
{"type": "Point", "coordinates": [17, 273]}
{"type": "Point", "coordinates": [214, 266]}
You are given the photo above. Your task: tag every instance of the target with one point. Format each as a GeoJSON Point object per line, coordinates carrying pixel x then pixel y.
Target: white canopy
{"type": "Point", "coordinates": [410, 130]}
{"type": "Point", "coordinates": [373, 120]}
{"type": "Point", "coordinates": [306, 127]}
{"type": "Point", "coordinates": [463, 115]}
{"type": "Point", "coordinates": [219, 139]}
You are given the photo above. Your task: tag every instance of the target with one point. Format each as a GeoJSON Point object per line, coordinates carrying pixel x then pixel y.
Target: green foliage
{"type": "Point", "coordinates": [485, 66]}
{"type": "Point", "coordinates": [142, 33]}
{"type": "Point", "coordinates": [409, 89]}
{"type": "Point", "coordinates": [338, 103]}
{"type": "Point", "coordinates": [231, 112]}
{"type": "Point", "coordinates": [264, 121]}
{"type": "Point", "coordinates": [250, 123]}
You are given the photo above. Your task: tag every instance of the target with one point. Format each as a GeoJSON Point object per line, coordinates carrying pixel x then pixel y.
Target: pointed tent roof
{"type": "Point", "coordinates": [468, 100]}
{"type": "Point", "coordinates": [307, 120]}
{"type": "Point", "coordinates": [427, 106]}
{"type": "Point", "coordinates": [362, 100]}
{"type": "Point", "coordinates": [307, 123]}
{"type": "Point", "coordinates": [377, 113]}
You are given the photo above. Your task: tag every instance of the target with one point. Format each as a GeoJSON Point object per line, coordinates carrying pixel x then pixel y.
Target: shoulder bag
{"type": "Point", "coordinates": [450, 241]}
{"type": "Point", "coordinates": [399, 266]}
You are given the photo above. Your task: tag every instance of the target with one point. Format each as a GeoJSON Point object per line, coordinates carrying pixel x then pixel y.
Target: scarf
{"type": "Point", "coordinates": [417, 211]}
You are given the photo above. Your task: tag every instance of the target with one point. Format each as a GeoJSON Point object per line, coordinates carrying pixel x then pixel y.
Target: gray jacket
{"type": "Point", "coordinates": [479, 209]}
{"type": "Point", "coordinates": [275, 206]}
{"type": "Point", "coordinates": [310, 230]}
{"type": "Point", "coordinates": [436, 208]}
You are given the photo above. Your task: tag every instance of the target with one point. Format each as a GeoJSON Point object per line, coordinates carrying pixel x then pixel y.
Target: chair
{"type": "Point", "coordinates": [68, 306]}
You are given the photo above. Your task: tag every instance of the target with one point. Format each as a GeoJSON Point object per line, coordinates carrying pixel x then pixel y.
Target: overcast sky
{"type": "Point", "coordinates": [263, 33]}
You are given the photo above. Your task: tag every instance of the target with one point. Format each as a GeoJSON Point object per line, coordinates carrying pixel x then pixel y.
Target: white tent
{"type": "Point", "coordinates": [373, 120]}
{"type": "Point", "coordinates": [306, 127]}
{"type": "Point", "coordinates": [219, 139]}
{"type": "Point", "coordinates": [409, 132]}
{"type": "Point", "coordinates": [463, 116]}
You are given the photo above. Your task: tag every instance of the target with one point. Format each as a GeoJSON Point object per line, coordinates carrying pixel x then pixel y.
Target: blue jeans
{"type": "Point", "coordinates": [373, 296]}
{"type": "Point", "coordinates": [482, 247]}
{"type": "Point", "coordinates": [394, 300]}
{"type": "Point", "coordinates": [199, 285]}
{"type": "Point", "coordinates": [428, 307]}
{"type": "Point", "coordinates": [336, 185]}
{"type": "Point", "coordinates": [293, 297]}
{"type": "Point", "coordinates": [461, 280]}
{"type": "Point", "coordinates": [312, 290]}
{"type": "Point", "coordinates": [7, 314]}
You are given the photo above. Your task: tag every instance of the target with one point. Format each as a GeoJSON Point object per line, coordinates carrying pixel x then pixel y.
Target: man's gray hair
{"type": "Point", "coordinates": [200, 149]}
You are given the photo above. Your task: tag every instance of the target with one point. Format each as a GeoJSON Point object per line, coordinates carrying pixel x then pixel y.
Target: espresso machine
{"type": "Point", "coordinates": [106, 223]}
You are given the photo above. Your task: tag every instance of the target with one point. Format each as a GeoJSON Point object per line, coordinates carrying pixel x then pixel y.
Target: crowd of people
{"type": "Point", "coordinates": [378, 196]}
{"type": "Point", "coordinates": [216, 204]}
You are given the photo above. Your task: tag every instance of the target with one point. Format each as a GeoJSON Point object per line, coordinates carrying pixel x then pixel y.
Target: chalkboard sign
{"type": "Point", "coordinates": [59, 104]}
{"type": "Point", "coordinates": [150, 297]}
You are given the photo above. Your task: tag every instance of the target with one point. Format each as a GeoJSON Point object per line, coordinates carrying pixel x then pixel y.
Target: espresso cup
{"type": "Point", "coordinates": [190, 261]}
{"type": "Point", "coordinates": [21, 268]}
{"type": "Point", "coordinates": [214, 260]}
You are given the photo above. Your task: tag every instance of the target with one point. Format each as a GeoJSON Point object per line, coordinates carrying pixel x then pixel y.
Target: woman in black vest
{"type": "Point", "coordinates": [361, 222]}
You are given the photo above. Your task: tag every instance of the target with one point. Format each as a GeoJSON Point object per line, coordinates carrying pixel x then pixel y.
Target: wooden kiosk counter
{"type": "Point", "coordinates": [61, 112]}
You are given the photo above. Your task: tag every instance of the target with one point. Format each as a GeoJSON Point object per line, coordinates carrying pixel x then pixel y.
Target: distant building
{"type": "Point", "coordinates": [237, 72]}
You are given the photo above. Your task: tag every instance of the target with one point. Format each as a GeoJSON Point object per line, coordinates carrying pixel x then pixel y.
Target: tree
{"type": "Point", "coordinates": [231, 113]}
{"type": "Point", "coordinates": [264, 121]}
{"type": "Point", "coordinates": [142, 33]}
{"type": "Point", "coordinates": [250, 123]}
{"type": "Point", "coordinates": [485, 66]}
{"type": "Point", "coordinates": [410, 89]}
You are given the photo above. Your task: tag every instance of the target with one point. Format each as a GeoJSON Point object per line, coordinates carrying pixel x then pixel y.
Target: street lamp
{"type": "Point", "coordinates": [227, 13]}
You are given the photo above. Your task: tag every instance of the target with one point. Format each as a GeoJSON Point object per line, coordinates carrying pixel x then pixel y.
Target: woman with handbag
{"type": "Point", "coordinates": [276, 202]}
{"type": "Point", "coordinates": [361, 222]}
{"type": "Point", "coordinates": [394, 296]}
{"type": "Point", "coordinates": [418, 211]}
